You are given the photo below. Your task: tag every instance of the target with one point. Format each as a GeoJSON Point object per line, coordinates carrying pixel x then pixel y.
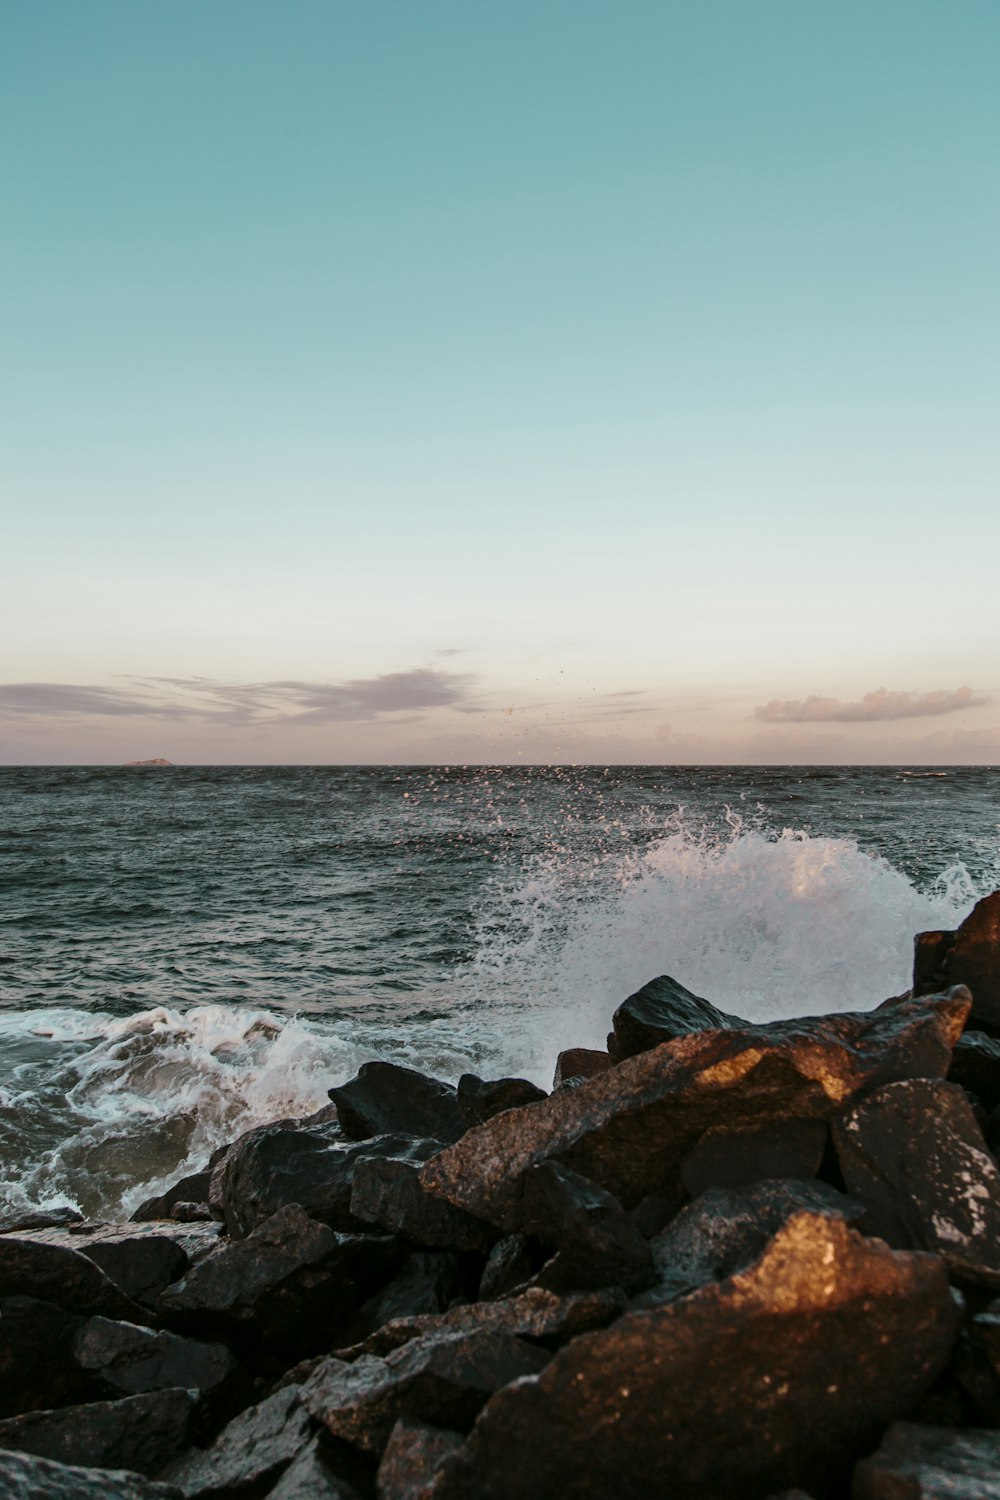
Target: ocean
{"type": "Point", "coordinates": [186, 952]}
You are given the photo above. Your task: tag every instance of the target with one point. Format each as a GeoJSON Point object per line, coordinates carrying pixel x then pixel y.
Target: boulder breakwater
{"type": "Point", "coordinates": [718, 1259]}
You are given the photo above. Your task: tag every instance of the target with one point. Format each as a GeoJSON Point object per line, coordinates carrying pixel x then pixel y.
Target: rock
{"type": "Point", "coordinates": [309, 1478]}
{"type": "Point", "coordinates": [630, 1128]}
{"type": "Point", "coordinates": [141, 1260]}
{"type": "Point", "coordinates": [282, 1290]}
{"type": "Point", "coordinates": [128, 1359]}
{"type": "Point", "coordinates": [412, 1457]}
{"type": "Point", "coordinates": [536, 1314]}
{"type": "Point", "coordinates": [385, 1099]}
{"type": "Point", "coordinates": [975, 1064]}
{"type": "Point", "coordinates": [191, 1189]}
{"type": "Point", "coordinates": [915, 1157]}
{"type": "Point", "coordinates": [388, 1192]}
{"type": "Point", "coordinates": [23, 1477]}
{"type": "Point", "coordinates": [598, 1245]}
{"type": "Point", "coordinates": [249, 1454]}
{"type": "Point", "coordinates": [37, 1368]}
{"type": "Point", "coordinates": [41, 1218]}
{"type": "Point", "coordinates": [774, 1378]}
{"type": "Point", "coordinates": [479, 1100]}
{"type": "Point", "coordinates": [511, 1263]}
{"type": "Point", "coordinates": [55, 1273]}
{"type": "Point", "coordinates": [442, 1379]}
{"type": "Point", "coordinates": [969, 956]}
{"type": "Point", "coordinates": [726, 1229]}
{"type": "Point", "coordinates": [275, 1165]}
{"type": "Point", "coordinates": [580, 1062]}
{"type": "Point", "coordinates": [930, 1463]}
{"type": "Point", "coordinates": [733, 1159]}
{"type": "Point", "coordinates": [139, 1432]}
{"type": "Point", "coordinates": [659, 1012]}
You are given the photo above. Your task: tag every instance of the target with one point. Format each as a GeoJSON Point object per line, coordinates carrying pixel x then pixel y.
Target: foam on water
{"type": "Point", "coordinates": [101, 1111]}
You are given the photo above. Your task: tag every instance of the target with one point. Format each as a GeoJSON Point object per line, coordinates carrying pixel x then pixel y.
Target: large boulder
{"type": "Point", "coordinates": [248, 1455]}
{"type": "Point", "coordinates": [56, 1273]}
{"type": "Point", "coordinates": [930, 1463]}
{"type": "Point", "coordinates": [24, 1477]}
{"type": "Point", "coordinates": [629, 1129]}
{"type": "Point", "coordinates": [309, 1477]}
{"type": "Point", "coordinates": [971, 956]}
{"type": "Point", "coordinates": [777, 1376]}
{"type": "Point", "coordinates": [386, 1099]}
{"type": "Point", "coordinates": [388, 1192]}
{"type": "Point", "coordinates": [128, 1359]}
{"type": "Point", "coordinates": [480, 1099]}
{"type": "Point", "coordinates": [138, 1432]}
{"type": "Point", "coordinates": [915, 1157]}
{"type": "Point", "coordinates": [660, 1011]}
{"type": "Point", "coordinates": [141, 1259]}
{"type": "Point", "coordinates": [580, 1062]}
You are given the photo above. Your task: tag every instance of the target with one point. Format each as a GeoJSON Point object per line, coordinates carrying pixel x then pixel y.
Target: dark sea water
{"type": "Point", "coordinates": [185, 952]}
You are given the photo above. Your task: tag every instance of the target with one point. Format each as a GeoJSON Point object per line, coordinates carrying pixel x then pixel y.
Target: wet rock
{"type": "Point", "coordinates": [930, 1463]}
{"type": "Point", "coordinates": [975, 1064]}
{"type": "Point", "coordinates": [630, 1128]}
{"type": "Point", "coordinates": [538, 1314]}
{"type": "Point", "coordinates": [774, 1378]}
{"type": "Point", "coordinates": [511, 1263]}
{"type": "Point", "coordinates": [252, 1452]}
{"type": "Point", "coordinates": [385, 1099]}
{"type": "Point", "coordinates": [732, 1159]}
{"type": "Point", "coordinates": [40, 1218]}
{"type": "Point", "coordinates": [310, 1478]}
{"type": "Point", "coordinates": [443, 1380]}
{"type": "Point", "coordinates": [37, 1368]}
{"type": "Point", "coordinates": [388, 1192]}
{"type": "Point", "coordinates": [580, 1062]}
{"type": "Point", "coordinates": [191, 1189]}
{"type": "Point", "coordinates": [139, 1432]}
{"type": "Point", "coordinates": [275, 1165]}
{"type": "Point", "coordinates": [597, 1244]}
{"type": "Point", "coordinates": [23, 1477]}
{"type": "Point", "coordinates": [412, 1457]}
{"type": "Point", "coordinates": [915, 1157]}
{"type": "Point", "coordinates": [128, 1359]}
{"type": "Point", "coordinates": [282, 1290]}
{"type": "Point", "coordinates": [479, 1100]}
{"type": "Point", "coordinates": [56, 1273]}
{"type": "Point", "coordinates": [970, 956]}
{"type": "Point", "coordinates": [660, 1011]}
{"type": "Point", "coordinates": [423, 1286]}
{"type": "Point", "coordinates": [140, 1260]}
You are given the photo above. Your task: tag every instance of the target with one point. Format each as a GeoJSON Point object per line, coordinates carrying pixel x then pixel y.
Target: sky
{"type": "Point", "coordinates": [547, 380]}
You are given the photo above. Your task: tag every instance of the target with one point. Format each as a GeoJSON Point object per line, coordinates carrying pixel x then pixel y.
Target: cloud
{"type": "Point", "coordinates": [882, 704]}
{"type": "Point", "coordinates": [209, 700]}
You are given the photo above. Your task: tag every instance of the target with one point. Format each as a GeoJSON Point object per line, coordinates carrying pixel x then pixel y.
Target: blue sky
{"type": "Point", "coordinates": [448, 381]}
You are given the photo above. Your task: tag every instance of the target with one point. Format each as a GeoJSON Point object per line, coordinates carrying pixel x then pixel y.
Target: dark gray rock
{"type": "Point", "coordinates": [39, 1218]}
{"type": "Point", "coordinates": [630, 1128]}
{"type": "Point", "coordinates": [975, 1064]}
{"type": "Point", "coordinates": [139, 1432]}
{"type": "Point", "coordinates": [55, 1273]}
{"type": "Point", "coordinates": [412, 1457]}
{"type": "Point", "coordinates": [580, 1062]}
{"type": "Point", "coordinates": [128, 1359]}
{"type": "Point", "coordinates": [252, 1452]}
{"type": "Point", "coordinates": [37, 1368]}
{"type": "Point", "coordinates": [778, 1376]}
{"type": "Point", "coordinates": [385, 1099]}
{"type": "Point", "coordinates": [597, 1244]}
{"type": "Point", "coordinates": [388, 1192]}
{"type": "Point", "coordinates": [930, 1463]}
{"type": "Point", "coordinates": [442, 1379]}
{"type": "Point", "coordinates": [191, 1189]}
{"type": "Point", "coordinates": [309, 1477]}
{"type": "Point", "coordinates": [23, 1477]}
{"type": "Point", "coordinates": [970, 956]}
{"type": "Point", "coordinates": [480, 1100]}
{"type": "Point", "coordinates": [733, 1159]}
{"type": "Point", "coordinates": [659, 1012]}
{"type": "Point", "coordinates": [141, 1260]}
{"type": "Point", "coordinates": [915, 1157]}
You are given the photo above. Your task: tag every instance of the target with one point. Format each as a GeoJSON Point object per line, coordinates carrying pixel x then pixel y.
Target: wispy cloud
{"type": "Point", "coordinates": [882, 704]}
{"type": "Point", "coordinates": [211, 700]}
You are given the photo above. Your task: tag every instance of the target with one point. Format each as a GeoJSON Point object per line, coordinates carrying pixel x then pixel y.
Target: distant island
{"type": "Point", "coordinates": [160, 762]}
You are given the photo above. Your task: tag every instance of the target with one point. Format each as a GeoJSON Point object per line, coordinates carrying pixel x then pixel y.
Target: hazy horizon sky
{"type": "Point", "coordinates": [564, 381]}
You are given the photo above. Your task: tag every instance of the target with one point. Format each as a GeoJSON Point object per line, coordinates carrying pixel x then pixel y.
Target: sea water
{"type": "Point", "coordinates": [187, 952]}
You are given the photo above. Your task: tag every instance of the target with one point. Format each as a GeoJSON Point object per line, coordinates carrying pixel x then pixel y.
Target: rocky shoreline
{"type": "Point", "coordinates": [717, 1260]}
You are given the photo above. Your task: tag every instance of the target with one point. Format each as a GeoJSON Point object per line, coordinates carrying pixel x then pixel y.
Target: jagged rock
{"type": "Point", "coordinates": [21, 1222]}
{"type": "Point", "coordinates": [141, 1260]}
{"type": "Point", "coordinates": [55, 1273]}
{"type": "Point", "coordinates": [23, 1477]}
{"type": "Point", "coordinates": [275, 1165]}
{"type": "Point", "coordinates": [597, 1244]}
{"type": "Point", "coordinates": [388, 1192]}
{"type": "Point", "coordinates": [250, 1453]}
{"type": "Point", "coordinates": [915, 1157]}
{"type": "Point", "coordinates": [536, 1314]}
{"type": "Point", "coordinates": [580, 1062]}
{"type": "Point", "coordinates": [511, 1263]}
{"type": "Point", "coordinates": [975, 1064]}
{"type": "Point", "coordinates": [309, 1478]}
{"type": "Point", "coordinates": [930, 1463]}
{"type": "Point", "coordinates": [385, 1099]}
{"type": "Point", "coordinates": [424, 1285]}
{"type": "Point", "coordinates": [775, 1377]}
{"type": "Point", "coordinates": [191, 1189]}
{"type": "Point", "coordinates": [726, 1229]}
{"type": "Point", "coordinates": [37, 1368]}
{"type": "Point", "coordinates": [412, 1457]}
{"type": "Point", "coordinates": [479, 1100]}
{"type": "Point", "coordinates": [732, 1159]}
{"type": "Point", "coordinates": [660, 1011]}
{"type": "Point", "coordinates": [630, 1128]}
{"type": "Point", "coordinates": [442, 1379]}
{"type": "Point", "coordinates": [139, 1432]}
{"type": "Point", "coordinates": [970, 955]}
{"type": "Point", "coordinates": [128, 1359]}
